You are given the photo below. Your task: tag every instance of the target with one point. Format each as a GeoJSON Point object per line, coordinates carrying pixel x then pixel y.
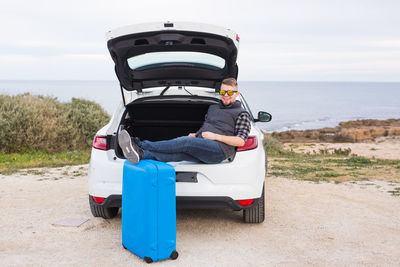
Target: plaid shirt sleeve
{"type": "Point", "coordinates": [242, 127]}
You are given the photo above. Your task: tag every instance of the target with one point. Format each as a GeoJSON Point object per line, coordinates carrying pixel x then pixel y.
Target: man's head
{"type": "Point", "coordinates": [229, 91]}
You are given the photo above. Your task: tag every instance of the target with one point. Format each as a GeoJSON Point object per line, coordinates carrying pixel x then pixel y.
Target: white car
{"type": "Point", "coordinates": [169, 74]}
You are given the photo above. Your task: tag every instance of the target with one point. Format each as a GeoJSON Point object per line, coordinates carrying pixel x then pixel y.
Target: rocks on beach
{"type": "Point", "coordinates": [351, 131]}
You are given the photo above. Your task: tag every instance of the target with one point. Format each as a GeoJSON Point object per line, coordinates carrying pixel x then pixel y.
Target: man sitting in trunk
{"type": "Point", "coordinates": [226, 127]}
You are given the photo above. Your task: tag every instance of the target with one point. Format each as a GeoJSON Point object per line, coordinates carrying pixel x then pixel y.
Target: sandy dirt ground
{"type": "Point", "coordinates": [307, 223]}
{"type": "Point", "coordinates": [383, 147]}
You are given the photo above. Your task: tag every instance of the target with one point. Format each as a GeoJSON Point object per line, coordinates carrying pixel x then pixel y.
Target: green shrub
{"type": "Point", "coordinates": [29, 122]}
{"type": "Point", "coordinates": [356, 161]}
{"type": "Point", "coordinates": [84, 119]}
{"type": "Point", "coordinates": [343, 152]}
{"type": "Point", "coordinates": [272, 145]}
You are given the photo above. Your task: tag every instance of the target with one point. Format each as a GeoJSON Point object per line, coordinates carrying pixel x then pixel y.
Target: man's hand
{"type": "Point", "coordinates": [192, 134]}
{"type": "Point", "coordinates": [229, 140]}
{"type": "Point", "coordinates": [209, 135]}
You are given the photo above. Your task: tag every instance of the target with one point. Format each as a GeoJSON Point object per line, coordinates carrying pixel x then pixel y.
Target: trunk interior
{"type": "Point", "coordinates": [163, 118]}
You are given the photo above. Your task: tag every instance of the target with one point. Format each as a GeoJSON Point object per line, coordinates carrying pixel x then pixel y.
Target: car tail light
{"type": "Point", "coordinates": [98, 200]}
{"type": "Point", "coordinates": [246, 202]}
{"type": "Point", "coordinates": [100, 142]}
{"type": "Point", "coordinates": [237, 37]}
{"type": "Point", "coordinates": [250, 144]}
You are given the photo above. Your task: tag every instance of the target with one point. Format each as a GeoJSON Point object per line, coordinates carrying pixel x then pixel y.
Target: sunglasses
{"type": "Point", "coordinates": [229, 92]}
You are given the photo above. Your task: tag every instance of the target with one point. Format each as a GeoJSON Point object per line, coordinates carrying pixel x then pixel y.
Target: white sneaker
{"type": "Point", "coordinates": [130, 150]}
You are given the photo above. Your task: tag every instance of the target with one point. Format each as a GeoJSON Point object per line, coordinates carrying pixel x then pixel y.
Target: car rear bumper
{"type": "Point", "coordinates": [185, 202]}
{"type": "Point", "coordinates": [241, 179]}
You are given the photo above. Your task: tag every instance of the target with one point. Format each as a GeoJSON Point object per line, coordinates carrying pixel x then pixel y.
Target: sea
{"type": "Point", "coordinates": [293, 105]}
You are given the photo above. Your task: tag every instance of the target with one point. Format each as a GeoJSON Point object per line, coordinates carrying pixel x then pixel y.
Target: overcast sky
{"type": "Point", "coordinates": [280, 40]}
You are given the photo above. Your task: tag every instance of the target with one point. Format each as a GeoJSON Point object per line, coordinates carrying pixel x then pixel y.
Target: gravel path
{"type": "Point", "coordinates": [306, 224]}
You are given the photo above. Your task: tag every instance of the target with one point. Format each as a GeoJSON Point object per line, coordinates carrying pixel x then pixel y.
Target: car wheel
{"type": "Point", "coordinates": [101, 211]}
{"type": "Point", "coordinates": [256, 213]}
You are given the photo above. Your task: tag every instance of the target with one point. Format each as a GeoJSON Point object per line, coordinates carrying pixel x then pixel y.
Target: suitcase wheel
{"type": "Point", "coordinates": [148, 259]}
{"type": "Point", "coordinates": [174, 255]}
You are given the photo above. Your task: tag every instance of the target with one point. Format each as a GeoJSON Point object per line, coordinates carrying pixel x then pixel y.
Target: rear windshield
{"type": "Point", "coordinates": [176, 58]}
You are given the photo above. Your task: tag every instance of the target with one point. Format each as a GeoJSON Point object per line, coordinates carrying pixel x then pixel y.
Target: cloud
{"type": "Point", "coordinates": [318, 63]}
{"type": "Point", "coordinates": [285, 39]}
{"type": "Point", "coordinates": [33, 43]}
{"type": "Point", "coordinates": [387, 44]}
{"type": "Point", "coordinates": [59, 44]}
{"type": "Point", "coordinates": [97, 57]}
{"type": "Point", "coordinates": [18, 59]}
{"type": "Point", "coordinates": [53, 44]}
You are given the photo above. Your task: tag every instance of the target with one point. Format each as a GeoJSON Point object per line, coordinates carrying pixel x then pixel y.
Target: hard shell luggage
{"type": "Point", "coordinates": [149, 210]}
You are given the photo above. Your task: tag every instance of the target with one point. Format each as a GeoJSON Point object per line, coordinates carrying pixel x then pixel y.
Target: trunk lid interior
{"type": "Point", "coordinates": [172, 55]}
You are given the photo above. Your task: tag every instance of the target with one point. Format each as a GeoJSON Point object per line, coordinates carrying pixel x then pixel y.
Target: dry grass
{"type": "Point", "coordinates": [14, 162]}
{"type": "Point", "coordinates": [334, 168]}
{"type": "Point", "coordinates": [328, 165]}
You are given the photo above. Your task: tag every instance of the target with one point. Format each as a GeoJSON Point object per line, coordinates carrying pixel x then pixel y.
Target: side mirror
{"type": "Point", "coordinates": [263, 117]}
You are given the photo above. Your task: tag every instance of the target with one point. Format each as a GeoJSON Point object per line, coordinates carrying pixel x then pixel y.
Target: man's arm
{"type": "Point", "coordinates": [242, 130]}
{"type": "Point", "coordinates": [229, 140]}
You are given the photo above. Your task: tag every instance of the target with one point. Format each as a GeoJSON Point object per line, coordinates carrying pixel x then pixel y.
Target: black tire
{"type": "Point", "coordinates": [255, 214]}
{"type": "Point", "coordinates": [148, 259]}
{"type": "Point", "coordinates": [101, 211]}
{"type": "Point", "coordinates": [174, 255]}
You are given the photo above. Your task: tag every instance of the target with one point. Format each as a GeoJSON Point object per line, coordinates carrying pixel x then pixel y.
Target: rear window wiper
{"type": "Point", "coordinates": [184, 88]}
{"type": "Point", "coordinates": [165, 89]}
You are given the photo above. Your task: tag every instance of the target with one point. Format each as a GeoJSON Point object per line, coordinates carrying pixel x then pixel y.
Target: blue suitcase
{"type": "Point", "coordinates": [149, 210]}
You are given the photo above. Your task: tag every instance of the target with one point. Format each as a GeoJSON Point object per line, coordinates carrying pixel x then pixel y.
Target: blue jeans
{"type": "Point", "coordinates": [183, 148]}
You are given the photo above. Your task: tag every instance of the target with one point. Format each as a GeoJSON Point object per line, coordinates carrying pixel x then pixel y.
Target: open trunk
{"type": "Point", "coordinates": [161, 54]}
{"type": "Point", "coordinates": [165, 117]}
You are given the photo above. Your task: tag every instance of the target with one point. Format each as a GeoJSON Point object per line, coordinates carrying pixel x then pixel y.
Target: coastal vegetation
{"type": "Point", "coordinates": [30, 122]}
{"type": "Point", "coordinates": [37, 131]}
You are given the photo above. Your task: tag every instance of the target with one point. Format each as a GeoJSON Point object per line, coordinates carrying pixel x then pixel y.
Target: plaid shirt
{"type": "Point", "coordinates": [242, 127]}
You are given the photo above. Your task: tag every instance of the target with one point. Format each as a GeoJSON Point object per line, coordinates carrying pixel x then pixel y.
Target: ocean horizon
{"type": "Point", "coordinates": [293, 105]}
